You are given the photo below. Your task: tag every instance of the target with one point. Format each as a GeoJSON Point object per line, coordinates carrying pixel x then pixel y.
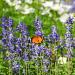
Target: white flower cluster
{"type": "Point", "coordinates": [26, 10]}
{"type": "Point", "coordinates": [56, 5]}
{"type": "Point", "coordinates": [18, 6]}
{"type": "Point", "coordinates": [13, 2]}
{"type": "Point", "coordinates": [62, 60]}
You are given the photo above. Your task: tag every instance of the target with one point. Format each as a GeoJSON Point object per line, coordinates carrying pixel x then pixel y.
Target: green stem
{"type": "Point", "coordinates": [10, 68]}
{"type": "Point", "coordinates": [41, 67]}
{"type": "Point", "coordinates": [26, 68]}
{"type": "Point", "coordinates": [37, 69]}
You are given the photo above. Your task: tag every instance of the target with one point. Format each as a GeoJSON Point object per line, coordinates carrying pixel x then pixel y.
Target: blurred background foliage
{"type": "Point", "coordinates": [28, 19]}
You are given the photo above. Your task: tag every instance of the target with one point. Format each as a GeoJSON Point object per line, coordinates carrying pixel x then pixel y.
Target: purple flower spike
{"type": "Point", "coordinates": [10, 22]}
{"type": "Point", "coordinates": [48, 53]}
{"type": "Point", "coordinates": [38, 24]}
{"type": "Point", "coordinates": [15, 66]}
{"type": "Point", "coordinates": [68, 37]}
{"type": "Point", "coordinates": [38, 33]}
{"type": "Point", "coordinates": [70, 21]}
{"type": "Point", "coordinates": [6, 22]}
{"type": "Point", "coordinates": [54, 36]}
{"type": "Point", "coordinates": [69, 27]}
{"type": "Point", "coordinates": [18, 41]}
{"type": "Point", "coordinates": [40, 49]}
{"type": "Point", "coordinates": [18, 49]}
{"type": "Point", "coordinates": [4, 32]}
{"type": "Point", "coordinates": [10, 47]}
{"type": "Point", "coordinates": [3, 19]}
{"type": "Point", "coordinates": [25, 57]}
{"type": "Point", "coordinates": [4, 41]}
{"type": "Point", "coordinates": [53, 28]}
{"type": "Point", "coordinates": [68, 34]}
{"type": "Point", "coordinates": [23, 29]}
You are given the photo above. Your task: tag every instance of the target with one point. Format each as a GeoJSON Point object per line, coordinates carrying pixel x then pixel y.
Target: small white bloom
{"type": "Point", "coordinates": [62, 60]}
{"type": "Point", "coordinates": [67, 7]}
{"type": "Point", "coordinates": [61, 9]}
{"type": "Point", "coordinates": [17, 7]}
{"type": "Point", "coordinates": [57, 1]}
{"type": "Point", "coordinates": [28, 1]}
{"type": "Point", "coordinates": [46, 11]}
{"type": "Point", "coordinates": [10, 3]}
{"type": "Point", "coordinates": [55, 7]}
{"type": "Point", "coordinates": [14, 2]}
{"type": "Point", "coordinates": [64, 17]}
{"type": "Point", "coordinates": [17, 2]}
{"type": "Point", "coordinates": [28, 10]}
{"type": "Point", "coordinates": [48, 4]}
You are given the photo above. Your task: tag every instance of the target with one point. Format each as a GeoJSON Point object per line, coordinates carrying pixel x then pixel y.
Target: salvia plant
{"type": "Point", "coordinates": [37, 55]}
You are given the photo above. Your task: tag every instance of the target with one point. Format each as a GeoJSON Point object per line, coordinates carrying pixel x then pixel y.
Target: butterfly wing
{"type": "Point", "coordinates": [37, 39]}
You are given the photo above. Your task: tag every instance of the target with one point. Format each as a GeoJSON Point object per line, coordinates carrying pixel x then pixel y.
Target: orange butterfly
{"type": "Point", "coordinates": [37, 39]}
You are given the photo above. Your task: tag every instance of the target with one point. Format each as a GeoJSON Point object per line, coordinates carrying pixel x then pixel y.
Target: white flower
{"type": "Point", "coordinates": [67, 7]}
{"type": "Point", "coordinates": [61, 9]}
{"type": "Point", "coordinates": [48, 4]}
{"type": "Point", "coordinates": [46, 11]}
{"type": "Point", "coordinates": [25, 9]}
{"type": "Point", "coordinates": [17, 7]}
{"type": "Point", "coordinates": [13, 3]}
{"type": "Point", "coordinates": [57, 1]}
{"type": "Point", "coordinates": [64, 17]}
{"type": "Point", "coordinates": [28, 10]}
{"type": "Point", "coordinates": [62, 60]}
{"type": "Point", "coordinates": [28, 1]}
{"type": "Point", "coordinates": [55, 7]}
